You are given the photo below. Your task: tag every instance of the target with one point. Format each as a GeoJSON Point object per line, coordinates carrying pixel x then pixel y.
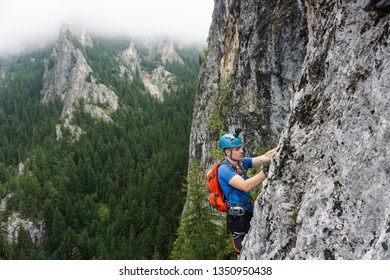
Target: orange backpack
{"type": "Point", "coordinates": [217, 198]}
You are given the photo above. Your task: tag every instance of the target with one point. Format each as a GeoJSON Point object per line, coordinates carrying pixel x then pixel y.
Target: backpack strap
{"type": "Point", "coordinates": [240, 163]}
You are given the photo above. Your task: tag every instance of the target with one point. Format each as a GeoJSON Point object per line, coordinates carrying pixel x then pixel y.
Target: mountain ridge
{"type": "Point", "coordinates": [108, 193]}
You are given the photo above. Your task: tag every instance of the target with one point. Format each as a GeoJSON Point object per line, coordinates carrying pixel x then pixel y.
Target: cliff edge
{"type": "Point", "coordinates": [314, 77]}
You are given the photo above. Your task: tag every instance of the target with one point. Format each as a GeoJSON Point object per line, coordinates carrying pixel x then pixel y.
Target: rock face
{"type": "Point", "coordinates": [251, 63]}
{"type": "Point", "coordinates": [168, 53]}
{"type": "Point", "coordinates": [69, 77]}
{"type": "Point", "coordinates": [328, 192]}
{"type": "Point", "coordinates": [35, 230]}
{"type": "Point", "coordinates": [158, 81]}
{"type": "Point", "coordinates": [328, 196]}
{"type": "Point", "coordinates": [15, 221]}
{"type": "Point", "coordinates": [130, 61]}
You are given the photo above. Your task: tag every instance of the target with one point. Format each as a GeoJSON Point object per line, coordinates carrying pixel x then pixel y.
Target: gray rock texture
{"type": "Point", "coordinates": [251, 63]}
{"type": "Point", "coordinates": [35, 230]}
{"type": "Point", "coordinates": [130, 61]}
{"type": "Point", "coordinates": [15, 221]}
{"type": "Point", "coordinates": [158, 81]}
{"type": "Point", "coordinates": [328, 195]}
{"type": "Point", "coordinates": [168, 53]}
{"type": "Point", "coordinates": [313, 76]}
{"type": "Point", "coordinates": [69, 77]}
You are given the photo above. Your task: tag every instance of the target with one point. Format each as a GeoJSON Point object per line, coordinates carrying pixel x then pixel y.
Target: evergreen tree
{"type": "Point", "coordinates": [24, 247]}
{"type": "Point", "coordinates": [4, 246]}
{"type": "Point", "coordinates": [202, 232]}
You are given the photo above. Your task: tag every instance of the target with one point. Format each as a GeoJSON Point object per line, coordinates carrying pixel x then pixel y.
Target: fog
{"type": "Point", "coordinates": [26, 24]}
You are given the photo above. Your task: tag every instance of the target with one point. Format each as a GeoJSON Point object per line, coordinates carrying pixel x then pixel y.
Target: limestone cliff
{"type": "Point", "coordinates": [158, 80]}
{"type": "Point", "coordinates": [251, 63]}
{"type": "Point", "coordinates": [69, 77]}
{"type": "Point", "coordinates": [327, 195]}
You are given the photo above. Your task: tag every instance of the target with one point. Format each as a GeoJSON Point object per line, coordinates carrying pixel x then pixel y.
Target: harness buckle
{"type": "Point", "coordinates": [236, 211]}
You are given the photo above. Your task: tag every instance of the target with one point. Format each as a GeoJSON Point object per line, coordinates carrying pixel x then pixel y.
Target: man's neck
{"type": "Point", "coordinates": [232, 161]}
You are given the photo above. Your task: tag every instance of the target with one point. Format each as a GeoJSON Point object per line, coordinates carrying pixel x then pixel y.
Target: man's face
{"type": "Point", "coordinates": [236, 153]}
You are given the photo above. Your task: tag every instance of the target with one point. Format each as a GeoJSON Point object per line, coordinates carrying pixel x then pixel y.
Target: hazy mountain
{"type": "Point", "coordinates": [94, 147]}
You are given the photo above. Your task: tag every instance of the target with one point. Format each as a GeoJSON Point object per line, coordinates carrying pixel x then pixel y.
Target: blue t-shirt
{"type": "Point", "coordinates": [225, 174]}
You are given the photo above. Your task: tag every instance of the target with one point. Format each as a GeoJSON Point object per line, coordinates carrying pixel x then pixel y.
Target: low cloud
{"type": "Point", "coordinates": [27, 24]}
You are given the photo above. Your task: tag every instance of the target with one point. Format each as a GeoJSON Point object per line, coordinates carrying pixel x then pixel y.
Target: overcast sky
{"type": "Point", "coordinates": [26, 23]}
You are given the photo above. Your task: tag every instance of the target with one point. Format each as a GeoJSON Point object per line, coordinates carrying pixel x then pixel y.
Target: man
{"type": "Point", "coordinates": [236, 185]}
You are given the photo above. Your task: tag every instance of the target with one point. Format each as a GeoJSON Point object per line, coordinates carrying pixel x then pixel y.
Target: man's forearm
{"type": "Point", "coordinates": [265, 158]}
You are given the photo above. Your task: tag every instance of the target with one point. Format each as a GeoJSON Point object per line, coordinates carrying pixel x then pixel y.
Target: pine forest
{"type": "Point", "coordinates": [114, 193]}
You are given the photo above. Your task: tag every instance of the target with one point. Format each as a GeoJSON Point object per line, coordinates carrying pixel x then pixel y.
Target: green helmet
{"type": "Point", "coordinates": [228, 141]}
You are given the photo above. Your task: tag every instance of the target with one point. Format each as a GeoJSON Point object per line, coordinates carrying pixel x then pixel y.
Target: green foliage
{"type": "Point", "coordinates": [202, 232]}
{"type": "Point", "coordinates": [23, 247]}
{"type": "Point", "coordinates": [202, 58]}
{"type": "Point", "coordinates": [220, 110]}
{"type": "Point", "coordinates": [217, 154]}
{"type": "Point", "coordinates": [116, 192]}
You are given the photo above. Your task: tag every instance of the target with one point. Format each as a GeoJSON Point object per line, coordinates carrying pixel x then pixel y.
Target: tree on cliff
{"type": "Point", "coordinates": [201, 234]}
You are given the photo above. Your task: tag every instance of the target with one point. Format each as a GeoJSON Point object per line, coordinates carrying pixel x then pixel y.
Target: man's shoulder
{"type": "Point", "coordinates": [225, 173]}
{"type": "Point", "coordinates": [225, 168]}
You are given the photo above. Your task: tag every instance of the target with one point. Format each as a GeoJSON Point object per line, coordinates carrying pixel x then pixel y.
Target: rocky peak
{"type": "Point", "coordinates": [69, 77]}
{"type": "Point", "coordinates": [84, 39]}
{"type": "Point", "coordinates": [169, 54]}
{"type": "Point", "coordinates": [158, 82]}
{"type": "Point", "coordinates": [130, 61]}
{"type": "Point", "coordinates": [77, 32]}
{"type": "Point", "coordinates": [165, 49]}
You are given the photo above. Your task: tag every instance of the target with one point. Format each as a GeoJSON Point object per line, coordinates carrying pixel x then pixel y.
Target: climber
{"type": "Point", "coordinates": [237, 186]}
